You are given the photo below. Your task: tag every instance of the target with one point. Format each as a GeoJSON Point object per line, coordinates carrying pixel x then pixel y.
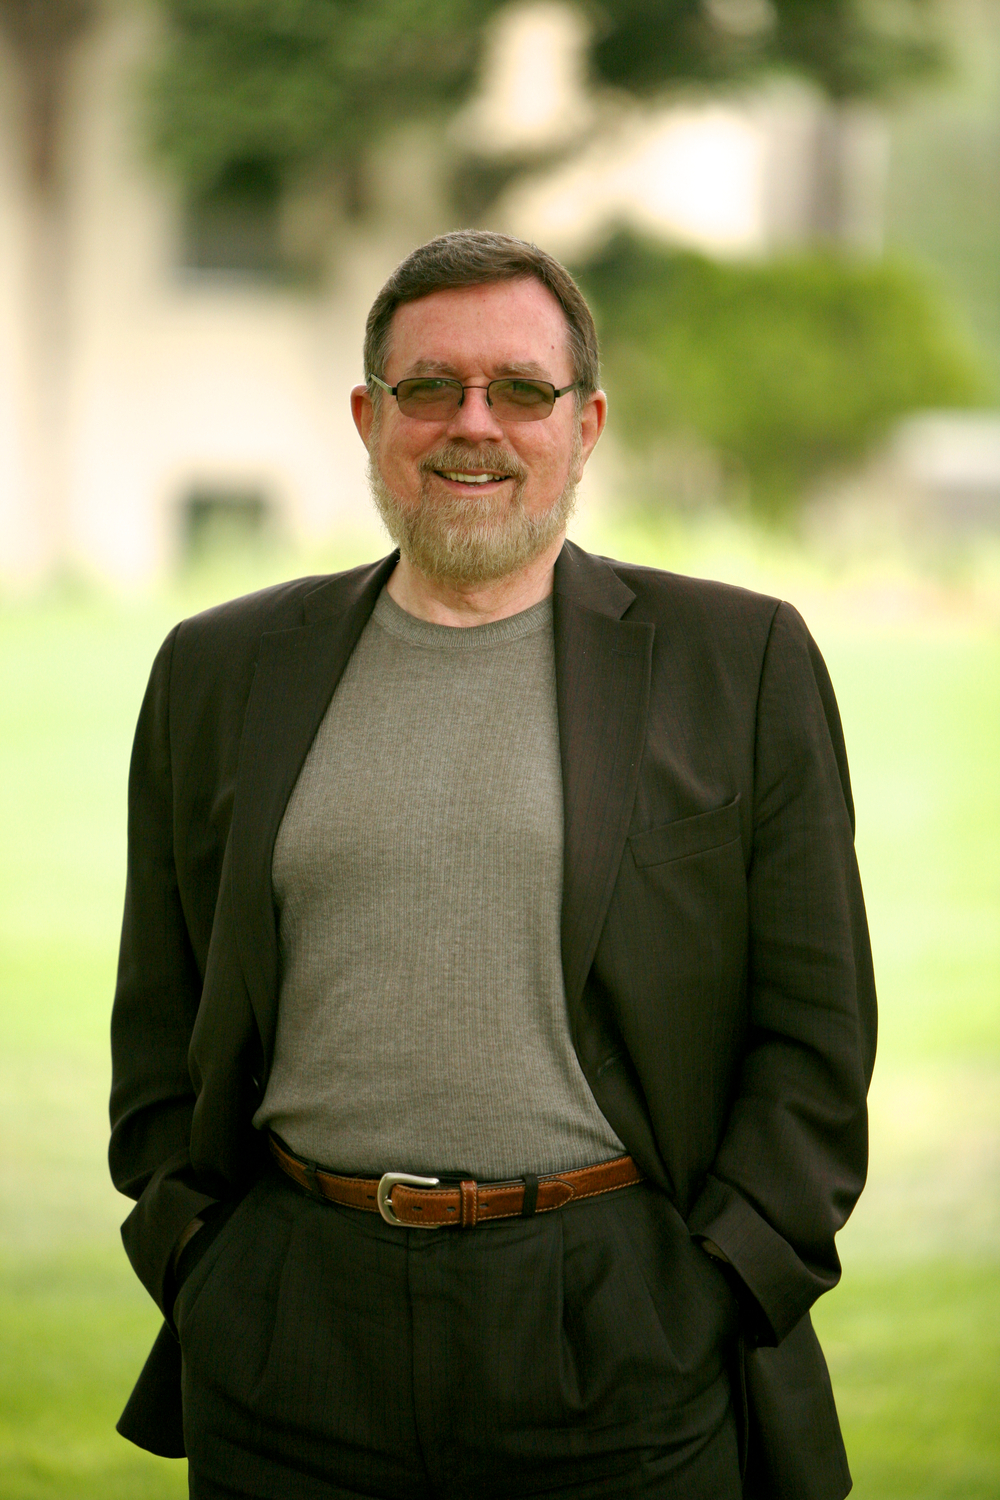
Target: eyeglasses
{"type": "Point", "coordinates": [435, 398]}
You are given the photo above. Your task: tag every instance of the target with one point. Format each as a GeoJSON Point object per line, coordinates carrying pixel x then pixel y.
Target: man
{"type": "Point", "coordinates": [495, 1008]}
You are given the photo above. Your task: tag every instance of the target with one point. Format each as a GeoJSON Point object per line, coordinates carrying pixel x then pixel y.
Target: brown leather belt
{"type": "Point", "coordinates": [423, 1202]}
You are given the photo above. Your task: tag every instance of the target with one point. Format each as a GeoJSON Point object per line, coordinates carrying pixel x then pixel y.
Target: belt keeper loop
{"type": "Point", "coordinates": [530, 1200]}
{"type": "Point", "coordinates": [469, 1201]}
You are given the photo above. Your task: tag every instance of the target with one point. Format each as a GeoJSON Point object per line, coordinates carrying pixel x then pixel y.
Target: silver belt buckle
{"type": "Point", "coordinates": [383, 1197]}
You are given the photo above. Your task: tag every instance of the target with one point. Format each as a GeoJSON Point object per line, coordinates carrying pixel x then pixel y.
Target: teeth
{"type": "Point", "coordinates": [470, 478]}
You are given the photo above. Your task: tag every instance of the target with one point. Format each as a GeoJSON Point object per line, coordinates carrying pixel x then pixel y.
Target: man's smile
{"type": "Point", "coordinates": [462, 469]}
{"type": "Point", "coordinates": [458, 476]}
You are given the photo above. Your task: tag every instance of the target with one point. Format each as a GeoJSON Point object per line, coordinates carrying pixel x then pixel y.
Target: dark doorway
{"type": "Point", "coordinates": [221, 523]}
{"type": "Point", "coordinates": [234, 226]}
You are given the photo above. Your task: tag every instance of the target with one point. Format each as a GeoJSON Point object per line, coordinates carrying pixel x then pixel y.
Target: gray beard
{"type": "Point", "coordinates": [476, 539]}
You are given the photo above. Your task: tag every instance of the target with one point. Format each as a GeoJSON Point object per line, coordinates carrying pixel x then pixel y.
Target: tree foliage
{"type": "Point", "coordinates": [298, 81]}
{"type": "Point", "coordinates": [787, 369]}
{"type": "Point", "coordinates": [849, 48]}
{"type": "Point", "coordinates": [292, 82]}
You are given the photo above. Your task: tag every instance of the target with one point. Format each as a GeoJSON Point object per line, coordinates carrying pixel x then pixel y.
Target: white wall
{"type": "Point", "coordinates": [175, 380]}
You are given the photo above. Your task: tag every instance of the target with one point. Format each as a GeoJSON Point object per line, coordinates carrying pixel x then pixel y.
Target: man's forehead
{"type": "Point", "coordinates": [445, 365]}
{"type": "Point", "coordinates": [515, 327]}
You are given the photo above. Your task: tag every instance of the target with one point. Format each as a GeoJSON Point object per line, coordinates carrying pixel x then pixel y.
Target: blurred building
{"type": "Point", "coordinates": [154, 370]}
{"type": "Point", "coordinates": [736, 174]}
{"type": "Point", "coordinates": [161, 373]}
{"type": "Point", "coordinates": [945, 467]}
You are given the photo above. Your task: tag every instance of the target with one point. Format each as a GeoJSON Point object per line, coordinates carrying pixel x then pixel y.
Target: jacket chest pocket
{"type": "Point", "coordinates": [681, 918]}
{"type": "Point", "coordinates": [687, 836]}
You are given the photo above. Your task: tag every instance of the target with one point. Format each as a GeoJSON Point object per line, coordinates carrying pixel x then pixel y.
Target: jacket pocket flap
{"type": "Point", "coordinates": [708, 830]}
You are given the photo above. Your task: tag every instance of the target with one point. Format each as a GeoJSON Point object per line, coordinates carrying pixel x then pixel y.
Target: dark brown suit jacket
{"type": "Point", "coordinates": [717, 967]}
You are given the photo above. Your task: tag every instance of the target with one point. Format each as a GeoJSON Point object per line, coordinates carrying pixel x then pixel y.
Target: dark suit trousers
{"type": "Point", "coordinates": [580, 1352]}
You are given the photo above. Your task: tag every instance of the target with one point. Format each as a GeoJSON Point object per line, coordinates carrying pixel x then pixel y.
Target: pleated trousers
{"type": "Point", "coordinates": [328, 1355]}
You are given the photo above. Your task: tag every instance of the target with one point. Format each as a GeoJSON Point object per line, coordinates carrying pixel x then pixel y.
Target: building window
{"type": "Point", "coordinates": [221, 523]}
{"type": "Point", "coordinates": [234, 226]}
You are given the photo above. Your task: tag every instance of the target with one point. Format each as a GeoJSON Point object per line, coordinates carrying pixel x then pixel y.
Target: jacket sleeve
{"type": "Point", "coordinates": [793, 1157]}
{"type": "Point", "coordinates": [156, 1002]}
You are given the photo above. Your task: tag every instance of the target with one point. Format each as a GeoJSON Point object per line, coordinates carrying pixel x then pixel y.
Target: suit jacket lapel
{"type": "Point", "coordinates": [297, 671]}
{"type": "Point", "coordinates": [603, 668]}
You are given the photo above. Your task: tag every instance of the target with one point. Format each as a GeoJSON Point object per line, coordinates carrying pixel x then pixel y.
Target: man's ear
{"type": "Point", "coordinates": [362, 411]}
{"type": "Point", "coordinates": [593, 416]}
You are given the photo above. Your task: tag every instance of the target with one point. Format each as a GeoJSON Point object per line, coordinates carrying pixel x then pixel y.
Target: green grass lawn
{"type": "Point", "coordinates": [913, 1333]}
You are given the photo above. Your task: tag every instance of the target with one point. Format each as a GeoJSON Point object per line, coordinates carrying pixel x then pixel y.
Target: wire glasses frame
{"type": "Point", "coordinates": [514, 398]}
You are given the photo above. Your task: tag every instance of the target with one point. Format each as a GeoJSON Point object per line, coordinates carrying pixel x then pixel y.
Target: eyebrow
{"type": "Point", "coordinates": [444, 367]}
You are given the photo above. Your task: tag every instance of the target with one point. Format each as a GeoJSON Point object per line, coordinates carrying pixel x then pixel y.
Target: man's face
{"type": "Point", "coordinates": [469, 498]}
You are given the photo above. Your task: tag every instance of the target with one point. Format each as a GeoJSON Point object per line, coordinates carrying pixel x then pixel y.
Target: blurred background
{"type": "Point", "coordinates": [786, 214]}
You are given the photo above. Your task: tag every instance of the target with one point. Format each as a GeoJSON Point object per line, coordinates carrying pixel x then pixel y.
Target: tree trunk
{"type": "Point", "coordinates": [849, 162]}
{"type": "Point", "coordinates": [43, 35]}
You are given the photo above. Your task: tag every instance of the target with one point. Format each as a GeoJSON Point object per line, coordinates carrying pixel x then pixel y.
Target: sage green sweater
{"type": "Point", "coordinates": [418, 873]}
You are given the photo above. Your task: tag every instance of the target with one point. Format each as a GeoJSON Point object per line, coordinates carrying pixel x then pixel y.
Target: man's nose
{"type": "Point", "coordinates": [475, 420]}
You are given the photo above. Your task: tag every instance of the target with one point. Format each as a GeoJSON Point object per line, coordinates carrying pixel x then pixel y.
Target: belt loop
{"type": "Point", "coordinates": [469, 1197]}
{"type": "Point", "coordinates": [310, 1168]}
{"type": "Point", "coordinates": [530, 1200]}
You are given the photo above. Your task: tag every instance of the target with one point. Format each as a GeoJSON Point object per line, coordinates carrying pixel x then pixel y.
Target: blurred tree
{"type": "Point", "coordinates": [850, 48]}
{"type": "Point", "coordinates": [43, 37]}
{"type": "Point", "coordinates": [296, 82]}
{"type": "Point", "coordinates": [788, 370]}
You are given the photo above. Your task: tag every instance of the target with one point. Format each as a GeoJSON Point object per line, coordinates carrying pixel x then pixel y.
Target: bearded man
{"type": "Point", "coordinates": [495, 1008]}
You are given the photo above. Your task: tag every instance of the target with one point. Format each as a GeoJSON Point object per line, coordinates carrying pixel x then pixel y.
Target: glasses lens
{"type": "Point", "coordinates": [521, 400]}
{"type": "Point", "coordinates": [430, 399]}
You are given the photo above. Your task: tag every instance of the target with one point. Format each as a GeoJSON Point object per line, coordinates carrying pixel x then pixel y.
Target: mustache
{"type": "Point", "coordinates": [492, 459]}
